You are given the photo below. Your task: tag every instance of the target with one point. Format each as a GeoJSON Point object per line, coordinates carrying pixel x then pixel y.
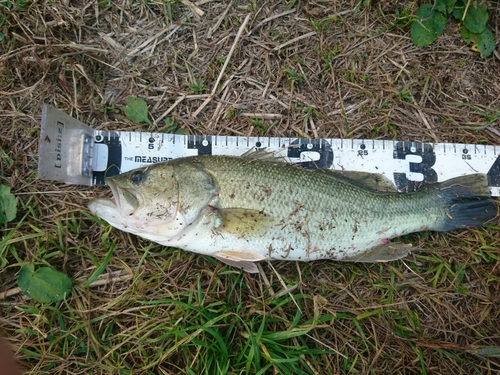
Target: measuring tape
{"type": "Point", "coordinates": [75, 153]}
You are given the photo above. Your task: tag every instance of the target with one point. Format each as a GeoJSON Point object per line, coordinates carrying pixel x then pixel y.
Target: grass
{"type": "Point", "coordinates": [140, 308]}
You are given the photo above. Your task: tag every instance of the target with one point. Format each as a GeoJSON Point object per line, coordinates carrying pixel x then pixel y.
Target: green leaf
{"type": "Point", "coordinates": [137, 110]}
{"type": "Point", "coordinates": [458, 10]}
{"type": "Point", "coordinates": [6, 4]}
{"type": "Point", "coordinates": [427, 25]}
{"type": "Point", "coordinates": [8, 205]}
{"type": "Point", "coordinates": [170, 125]}
{"type": "Point", "coordinates": [173, 127]}
{"type": "Point", "coordinates": [445, 6]}
{"type": "Point", "coordinates": [99, 270]}
{"type": "Point", "coordinates": [476, 18]}
{"type": "Point", "coordinates": [487, 352]}
{"type": "Point", "coordinates": [2, 20]}
{"type": "Point", "coordinates": [182, 131]}
{"type": "Point", "coordinates": [484, 43]}
{"type": "Point", "coordinates": [45, 284]}
{"type": "Point", "coordinates": [468, 36]}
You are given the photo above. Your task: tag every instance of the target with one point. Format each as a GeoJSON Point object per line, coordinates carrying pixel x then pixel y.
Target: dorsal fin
{"type": "Point", "coordinates": [261, 154]}
{"type": "Point", "coordinates": [373, 181]}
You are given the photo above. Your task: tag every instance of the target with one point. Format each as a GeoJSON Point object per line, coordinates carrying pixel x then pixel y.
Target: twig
{"type": "Point", "coordinates": [400, 67]}
{"type": "Point", "coordinates": [233, 47]}
{"type": "Point", "coordinates": [32, 87]}
{"type": "Point", "coordinates": [228, 58]}
{"type": "Point", "coordinates": [424, 118]}
{"type": "Point", "coordinates": [80, 47]}
{"type": "Point", "coordinates": [313, 127]}
{"type": "Point", "coordinates": [265, 116]}
{"type": "Point", "coordinates": [10, 292]}
{"type": "Point", "coordinates": [270, 19]}
{"type": "Point", "coordinates": [219, 21]}
{"type": "Point", "coordinates": [216, 115]}
{"type": "Point", "coordinates": [113, 43]}
{"type": "Point", "coordinates": [113, 280]}
{"type": "Point", "coordinates": [287, 289]}
{"type": "Point", "coordinates": [193, 8]}
{"type": "Point", "coordinates": [172, 27]}
{"type": "Point", "coordinates": [177, 102]}
{"type": "Point", "coordinates": [257, 84]}
{"type": "Point", "coordinates": [294, 40]}
{"type": "Point", "coordinates": [466, 9]}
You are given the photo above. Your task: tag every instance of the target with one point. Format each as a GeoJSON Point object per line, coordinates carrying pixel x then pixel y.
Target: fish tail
{"type": "Point", "coordinates": [467, 202]}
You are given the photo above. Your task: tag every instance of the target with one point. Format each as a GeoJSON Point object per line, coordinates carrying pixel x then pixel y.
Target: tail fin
{"type": "Point", "coordinates": [468, 201]}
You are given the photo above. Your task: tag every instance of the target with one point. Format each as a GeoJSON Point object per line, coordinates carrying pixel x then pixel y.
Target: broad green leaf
{"type": "Point", "coordinates": [427, 26]}
{"type": "Point", "coordinates": [484, 43]}
{"type": "Point", "coordinates": [468, 36]}
{"type": "Point", "coordinates": [6, 4]}
{"type": "Point", "coordinates": [8, 205]}
{"type": "Point", "coordinates": [476, 18]}
{"type": "Point", "coordinates": [45, 284]}
{"type": "Point", "coordinates": [458, 10]}
{"type": "Point", "coordinates": [137, 110]}
{"type": "Point", "coordinates": [445, 6]}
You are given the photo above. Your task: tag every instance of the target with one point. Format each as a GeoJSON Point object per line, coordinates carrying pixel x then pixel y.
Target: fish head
{"type": "Point", "coordinates": [158, 202]}
{"type": "Point", "coordinates": [145, 202]}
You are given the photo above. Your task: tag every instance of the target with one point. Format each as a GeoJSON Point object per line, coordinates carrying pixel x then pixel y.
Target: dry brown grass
{"type": "Point", "coordinates": [358, 77]}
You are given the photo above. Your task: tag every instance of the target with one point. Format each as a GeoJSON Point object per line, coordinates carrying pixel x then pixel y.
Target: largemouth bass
{"type": "Point", "coordinates": [244, 210]}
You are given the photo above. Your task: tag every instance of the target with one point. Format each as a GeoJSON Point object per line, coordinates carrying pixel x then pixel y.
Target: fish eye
{"type": "Point", "coordinates": [137, 177]}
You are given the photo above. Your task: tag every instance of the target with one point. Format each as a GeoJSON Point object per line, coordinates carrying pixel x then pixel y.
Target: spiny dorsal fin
{"type": "Point", "coordinates": [261, 154]}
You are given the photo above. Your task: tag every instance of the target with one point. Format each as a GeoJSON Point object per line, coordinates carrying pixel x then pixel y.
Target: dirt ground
{"type": "Point", "coordinates": [313, 69]}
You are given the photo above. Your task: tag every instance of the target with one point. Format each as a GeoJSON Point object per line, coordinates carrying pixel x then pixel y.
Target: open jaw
{"type": "Point", "coordinates": [102, 203]}
{"type": "Point", "coordinates": [98, 205]}
{"type": "Point", "coordinates": [126, 199]}
{"type": "Point", "coordinates": [114, 189]}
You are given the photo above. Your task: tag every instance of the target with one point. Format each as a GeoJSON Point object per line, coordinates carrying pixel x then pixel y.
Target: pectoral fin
{"type": "Point", "coordinates": [243, 260]}
{"type": "Point", "coordinates": [382, 253]}
{"type": "Point", "coordinates": [242, 222]}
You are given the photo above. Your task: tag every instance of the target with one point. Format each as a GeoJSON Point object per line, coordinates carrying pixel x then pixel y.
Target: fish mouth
{"type": "Point", "coordinates": [125, 201]}
{"type": "Point", "coordinates": [125, 198]}
{"type": "Point", "coordinates": [114, 189]}
{"type": "Point", "coordinates": [100, 205]}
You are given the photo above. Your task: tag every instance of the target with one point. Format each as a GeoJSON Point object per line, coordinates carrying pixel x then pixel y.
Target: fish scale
{"type": "Point", "coordinates": [244, 209]}
{"type": "Point", "coordinates": [337, 218]}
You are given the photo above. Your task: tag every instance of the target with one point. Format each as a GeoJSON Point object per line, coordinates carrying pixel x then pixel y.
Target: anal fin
{"type": "Point", "coordinates": [243, 260]}
{"type": "Point", "coordinates": [382, 253]}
